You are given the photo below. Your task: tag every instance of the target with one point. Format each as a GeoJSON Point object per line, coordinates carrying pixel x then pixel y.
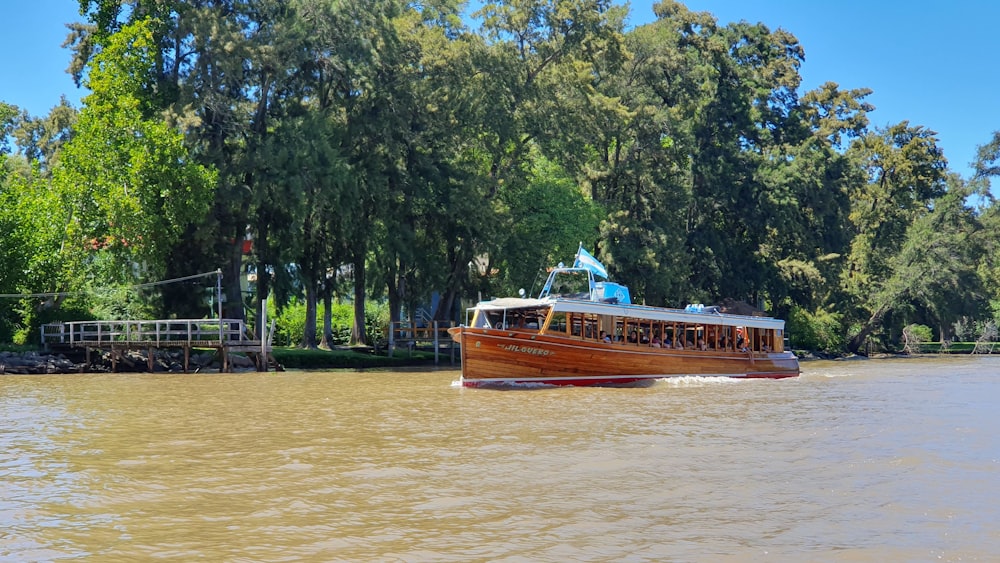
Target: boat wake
{"type": "Point", "coordinates": [697, 380]}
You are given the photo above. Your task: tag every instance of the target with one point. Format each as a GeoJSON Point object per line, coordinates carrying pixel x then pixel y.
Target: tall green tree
{"type": "Point", "coordinates": [126, 178]}
{"type": "Point", "coordinates": [905, 172]}
{"type": "Point", "coordinates": [933, 278]}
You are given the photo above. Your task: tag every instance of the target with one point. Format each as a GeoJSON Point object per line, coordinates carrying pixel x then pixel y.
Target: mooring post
{"type": "Point", "coordinates": [218, 295]}
{"type": "Point", "coordinates": [436, 348]}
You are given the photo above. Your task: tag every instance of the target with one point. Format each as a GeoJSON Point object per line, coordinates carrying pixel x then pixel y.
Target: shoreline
{"type": "Point", "coordinates": [165, 361]}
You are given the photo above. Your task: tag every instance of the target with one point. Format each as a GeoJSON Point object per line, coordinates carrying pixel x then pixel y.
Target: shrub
{"type": "Point", "coordinates": [820, 330]}
{"type": "Point", "coordinates": [32, 319]}
{"type": "Point", "coordinates": [291, 323]}
{"type": "Point", "coordinates": [914, 335]}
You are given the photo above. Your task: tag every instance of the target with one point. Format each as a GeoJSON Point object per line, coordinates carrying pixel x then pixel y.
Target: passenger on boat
{"type": "Point", "coordinates": [633, 337]}
{"type": "Point", "coordinates": [701, 344]}
{"type": "Point", "coordinates": [655, 342]}
{"type": "Point", "coordinates": [677, 344]}
{"type": "Point", "coordinates": [605, 337]}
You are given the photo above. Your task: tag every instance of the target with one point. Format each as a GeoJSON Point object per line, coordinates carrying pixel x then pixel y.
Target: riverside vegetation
{"type": "Point", "coordinates": [404, 156]}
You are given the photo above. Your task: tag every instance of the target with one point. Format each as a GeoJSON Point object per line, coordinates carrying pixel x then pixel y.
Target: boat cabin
{"type": "Point", "coordinates": [603, 312]}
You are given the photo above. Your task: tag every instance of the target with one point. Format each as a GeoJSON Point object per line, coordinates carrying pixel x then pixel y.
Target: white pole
{"type": "Point", "coordinates": [263, 333]}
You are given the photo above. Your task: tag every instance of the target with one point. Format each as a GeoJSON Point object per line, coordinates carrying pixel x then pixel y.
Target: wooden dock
{"type": "Point", "coordinates": [406, 336]}
{"type": "Point", "coordinates": [117, 337]}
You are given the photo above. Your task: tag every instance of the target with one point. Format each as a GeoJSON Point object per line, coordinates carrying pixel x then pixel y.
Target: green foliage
{"type": "Point", "coordinates": [127, 178]}
{"type": "Point", "coordinates": [547, 218]}
{"type": "Point", "coordinates": [290, 322]}
{"type": "Point", "coordinates": [32, 315]}
{"type": "Point", "coordinates": [920, 333]}
{"type": "Point", "coordinates": [816, 330]}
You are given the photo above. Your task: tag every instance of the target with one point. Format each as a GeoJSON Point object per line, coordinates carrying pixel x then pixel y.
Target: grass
{"type": "Point", "coordinates": [954, 348]}
{"type": "Point", "coordinates": [300, 358]}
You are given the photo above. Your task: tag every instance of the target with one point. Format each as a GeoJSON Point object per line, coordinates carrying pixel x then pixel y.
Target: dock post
{"type": "Point", "coordinates": [436, 343]}
{"type": "Point", "coordinates": [451, 346]}
{"type": "Point", "coordinates": [392, 341]}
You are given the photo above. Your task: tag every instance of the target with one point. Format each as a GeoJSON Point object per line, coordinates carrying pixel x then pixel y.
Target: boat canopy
{"type": "Point", "coordinates": [504, 303]}
{"type": "Point", "coordinates": [609, 298]}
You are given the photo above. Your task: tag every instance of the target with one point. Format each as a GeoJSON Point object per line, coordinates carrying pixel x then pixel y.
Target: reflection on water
{"type": "Point", "coordinates": [894, 460]}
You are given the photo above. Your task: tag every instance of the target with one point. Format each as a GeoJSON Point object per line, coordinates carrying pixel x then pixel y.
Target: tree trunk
{"type": "Point", "coordinates": [327, 341]}
{"type": "Point", "coordinates": [397, 293]}
{"type": "Point", "coordinates": [854, 345]}
{"type": "Point", "coordinates": [459, 265]}
{"type": "Point", "coordinates": [358, 334]}
{"type": "Point", "coordinates": [232, 274]}
{"type": "Point", "coordinates": [309, 333]}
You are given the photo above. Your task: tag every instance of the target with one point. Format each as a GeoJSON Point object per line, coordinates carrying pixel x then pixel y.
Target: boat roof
{"type": "Point", "coordinates": [503, 303]}
{"type": "Point", "coordinates": [643, 312]}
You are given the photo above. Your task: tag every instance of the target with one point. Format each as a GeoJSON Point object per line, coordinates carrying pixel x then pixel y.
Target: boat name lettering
{"type": "Point", "coordinates": [525, 350]}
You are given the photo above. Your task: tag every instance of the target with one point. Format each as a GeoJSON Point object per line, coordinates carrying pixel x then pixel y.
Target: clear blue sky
{"type": "Point", "coordinates": [931, 62]}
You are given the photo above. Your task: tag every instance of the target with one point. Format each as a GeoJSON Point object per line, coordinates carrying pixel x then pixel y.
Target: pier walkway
{"type": "Point", "coordinates": [118, 337]}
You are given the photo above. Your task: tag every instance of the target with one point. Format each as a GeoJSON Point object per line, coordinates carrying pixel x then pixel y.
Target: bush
{"type": "Point", "coordinates": [291, 323]}
{"type": "Point", "coordinates": [28, 333]}
{"type": "Point", "coordinates": [820, 331]}
{"type": "Point", "coordinates": [914, 335]}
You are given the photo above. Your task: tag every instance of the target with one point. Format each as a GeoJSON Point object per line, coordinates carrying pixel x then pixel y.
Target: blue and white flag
{"type": "Point", "coordinates": [585, 260]}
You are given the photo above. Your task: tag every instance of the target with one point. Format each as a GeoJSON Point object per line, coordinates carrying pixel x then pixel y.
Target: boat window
{"type": "Point", "coordinates": [558, 323]}
{"type": "Point", "coordinates": [496, 319]}
{"type": "Point", "coordinates": [726, 338]}
{"type": "Point", "coordinates": [478, 320]}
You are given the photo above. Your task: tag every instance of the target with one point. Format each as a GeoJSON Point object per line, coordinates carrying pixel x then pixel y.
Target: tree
{"type": "Point", "coordinates": [127, 179]}
{"type": "Point", "coordinates": [905, 172]}
{"type": "Point", "coordinates": [40, 139]}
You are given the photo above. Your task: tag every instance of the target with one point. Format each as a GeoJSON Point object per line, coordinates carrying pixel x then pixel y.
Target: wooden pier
{"type": "Point", "coordinates": [117, 337]}
{"type": "Point", "coordinates": [406, 336]}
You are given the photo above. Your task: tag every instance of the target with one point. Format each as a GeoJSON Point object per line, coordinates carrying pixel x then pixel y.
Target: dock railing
{"type": "Point", "coordinates": [408, 336]}
{"type": "Point", "coordinates": [159, 333]}
{"type": "Point", "coordinates": [226, 336]}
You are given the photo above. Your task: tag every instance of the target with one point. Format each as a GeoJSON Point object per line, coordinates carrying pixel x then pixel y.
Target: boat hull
{"type": "Point", "coordinates": [492, 357]}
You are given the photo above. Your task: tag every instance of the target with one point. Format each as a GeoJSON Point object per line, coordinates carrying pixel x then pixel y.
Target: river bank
{"type": "Point", "coordinates": [32, 362]}
{"type": "Point", "coordinates": [25, 362]}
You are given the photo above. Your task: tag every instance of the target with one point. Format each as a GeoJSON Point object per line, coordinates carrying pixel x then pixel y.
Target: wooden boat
{"type": "Point", "coordinates": [598, 337]}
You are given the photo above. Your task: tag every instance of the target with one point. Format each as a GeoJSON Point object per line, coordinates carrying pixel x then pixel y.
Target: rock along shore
{"type": "Point", "coordinates": [25, 363]}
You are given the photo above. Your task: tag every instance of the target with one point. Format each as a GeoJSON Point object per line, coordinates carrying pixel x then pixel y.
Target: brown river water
{"type": "Point", "coordinates": [880, 460]}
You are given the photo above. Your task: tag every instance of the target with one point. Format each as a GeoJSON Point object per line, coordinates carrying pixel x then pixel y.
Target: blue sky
{"type": "Point", "coordinates": [930, 62]}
